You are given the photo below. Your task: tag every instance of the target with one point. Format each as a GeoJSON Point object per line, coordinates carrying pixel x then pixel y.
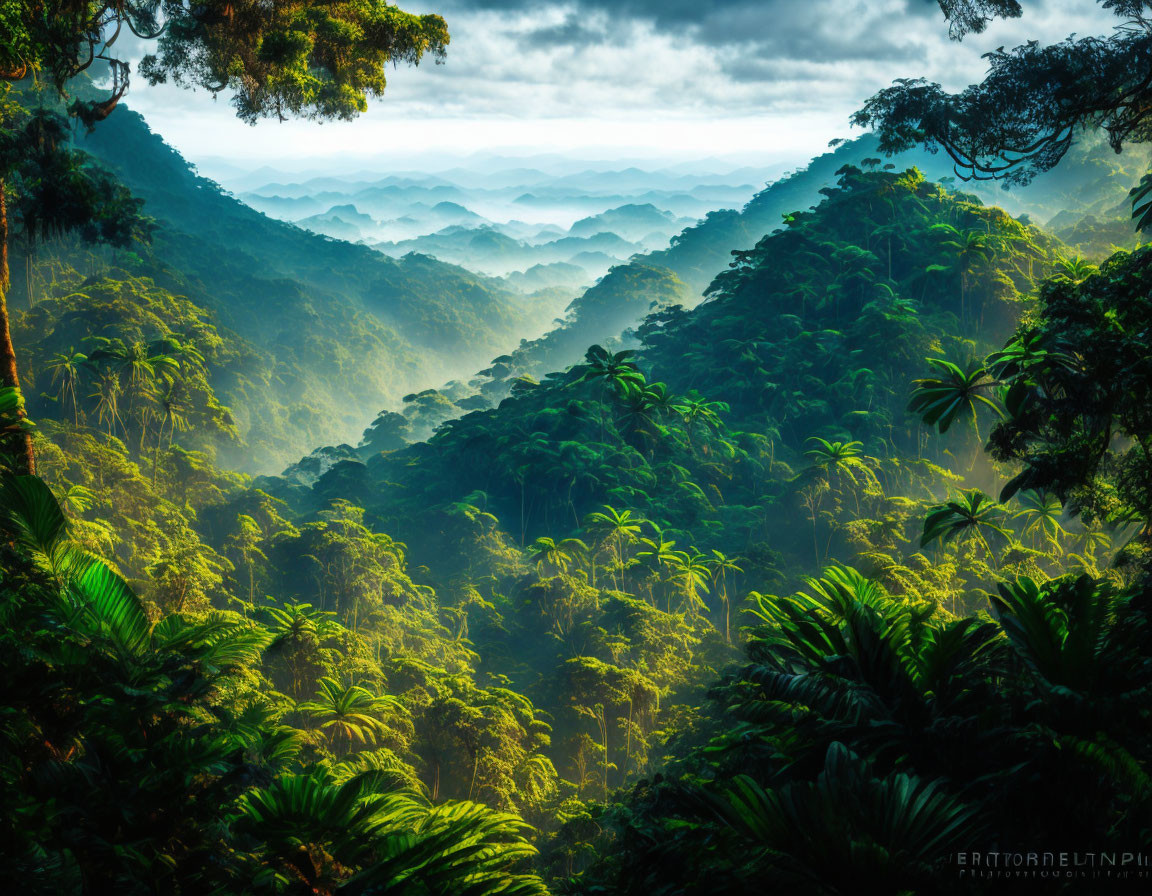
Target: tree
{"type": "Point", "coordinates": [693, 571]}
{"type": "Point", "coordinates": [172, 413]}
{"type": "Point", "coordinates": [557, 556]}
{"type": "Point", "coordinates": [615, 369]}
{"type": "Point", "coordinates": [956, 392]}
{"type": "Point", "coordinates": [721, 565]}
{"type": "Point", "coordinates": [971, 515]}
{"type": "Point", "coordinates": [186, 572]}
{"type": "Point", "coordinates": [107, 392]}
{"type": "Point", "coordinates": [1075, 377]}
{"type": "Point", "coordinates": [1072, 639]}
{"type": "Point", "coordinates": [656, 553]}
{"type": "Point", "coordinates": [362, 836]}
{"type": "Point", "coordinates": [645, 404]}
{"type": "Point", "coordinates": [969, 248]}
{"type": "Point", "coordinates": [66, 368]}
{"type": "Point", "coordinates": [618, 529]}
{"type": "Point", "coordinates": [302, 58]}
{"type": "Point", "coordinates": [245, 545]}
{"type": "Point", "coordinates": [299, 637]}
{"type": "Point", "coordinates": [843, 460]}
{"type": "Point", "coordinates": [696, 411]}
{"type": "Point", "coordinates": [349, 714]}
{"type": "Point", "coordinates": [1042, 513]}
{"type": "Point", "coordinates": [1021, 120]}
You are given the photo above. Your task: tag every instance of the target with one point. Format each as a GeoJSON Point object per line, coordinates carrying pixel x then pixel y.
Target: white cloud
{"type": "Point", "coordinates": [739, 77]}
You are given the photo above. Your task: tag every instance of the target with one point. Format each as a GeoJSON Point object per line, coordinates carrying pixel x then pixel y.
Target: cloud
{"type": "Point", "coordinates": [631, 61]}
{"type": "Point", "coordinates": [574, 32]}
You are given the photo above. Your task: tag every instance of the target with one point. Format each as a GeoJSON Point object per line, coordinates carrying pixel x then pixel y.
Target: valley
{"type": "Point", "coordinates": [561, 519]}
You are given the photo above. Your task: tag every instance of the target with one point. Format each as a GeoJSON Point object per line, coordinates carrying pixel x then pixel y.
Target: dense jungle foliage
{"type": "Point", "coordinates": [808, 586]}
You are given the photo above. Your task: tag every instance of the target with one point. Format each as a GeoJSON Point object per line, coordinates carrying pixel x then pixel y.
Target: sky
{"type": "Point", "coordinates": [753, 81]}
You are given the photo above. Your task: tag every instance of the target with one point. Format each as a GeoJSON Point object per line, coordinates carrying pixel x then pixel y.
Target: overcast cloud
{"type": "Point", "coordinates": [776, 78]}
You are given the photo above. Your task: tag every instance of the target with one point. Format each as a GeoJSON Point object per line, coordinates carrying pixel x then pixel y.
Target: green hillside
{"type": "Point", "coordinates": [325, 332]}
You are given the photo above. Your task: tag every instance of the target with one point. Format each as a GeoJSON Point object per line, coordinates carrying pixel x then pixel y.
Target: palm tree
{"type": "Point", "coordinates": [178, 348]}
{"type": "Point", "coordinates": [971, 515]}
{"type": "Point", "coordinates": [1042, 511]}
{"type": "Point", "coordinates": [695, 410]}
{"type": "Point", "coordinates": [172, 414]}
{"type": "Point", "coordinates": [349, 713]}
{"type": "Point", "coordinates": [957, 391]}
{"type": "Point", "coordinates": [615, 368]}
{"type": "Point", "coordinates": [618, 529]}
{"type": "Point", "coordinates": [139, 366]}
{"type": "Point", "coordinates": [656, 554]}
{"type": "Point", "coordinates": [844, 460]}
{"type": "Point", "coordinates": [137, 360]}
{"type": "Point", "coordinates": [547, 552]}
{"type": "Point", "coordinates": [693, 571]}
{"type": "Point", "coordinates": [969, 248]}
{"type": "Point", "coordinates": [363, 835]}
{"type": "Point", "coordinates": [611, 368]}
{"type": "Point", "coordinates": [298, 634]}
{"type": "Point", "coordinates": [66, 368]}
{"type": "Point", "coordinates": [1073, 635]}
{"type": "Point", "coordinates": [107, 395]}
{"type": "Point", "coordinates": [644, 405]}
{"type": "Point", "coordinates": [721, 564]}
{"type": "Point", "coordinates": [819, 830]}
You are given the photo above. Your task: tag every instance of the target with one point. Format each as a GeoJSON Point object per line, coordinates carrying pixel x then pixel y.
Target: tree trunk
{"type": "Point", "coordinates": [21, 441]}
{"type": "Point", "coordinates": [604, 728]}
{"type": "Point", "coordinates": [628, 741]}
{"type": "Point", "coordinates": [475, 769]}
{"type": "Point", "coordinates": [155, 453]}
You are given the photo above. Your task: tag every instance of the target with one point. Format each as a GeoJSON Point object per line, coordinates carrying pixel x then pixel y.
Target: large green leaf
{"type": "Point", "coordinates": [109, 605]}
{"type": "Point", "coordinates": [30, 511]}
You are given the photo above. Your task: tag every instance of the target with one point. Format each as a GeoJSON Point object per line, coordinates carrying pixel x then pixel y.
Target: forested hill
{"type": "Point", "coordinates": [1084, 200]}
{"type": "Point", "coordinates": [817, 332]}
{"type": "Point", "coordinates": [336, 329]}
{"type": "Point", "coordinates": [439, 308]}
{"type": "Point", "coordinates": [1085, 197]}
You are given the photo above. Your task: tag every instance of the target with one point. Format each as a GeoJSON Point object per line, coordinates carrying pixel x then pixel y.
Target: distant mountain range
{"type": "Point", "coordinates": [505, 221]}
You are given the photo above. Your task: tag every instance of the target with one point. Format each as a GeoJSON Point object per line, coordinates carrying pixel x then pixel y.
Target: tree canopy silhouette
{"type": "Point", "coordinates": [1022, 118]}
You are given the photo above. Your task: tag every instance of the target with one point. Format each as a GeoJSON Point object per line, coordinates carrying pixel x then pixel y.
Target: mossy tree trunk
{"type": "Point", "coordinates": [20, 441]}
